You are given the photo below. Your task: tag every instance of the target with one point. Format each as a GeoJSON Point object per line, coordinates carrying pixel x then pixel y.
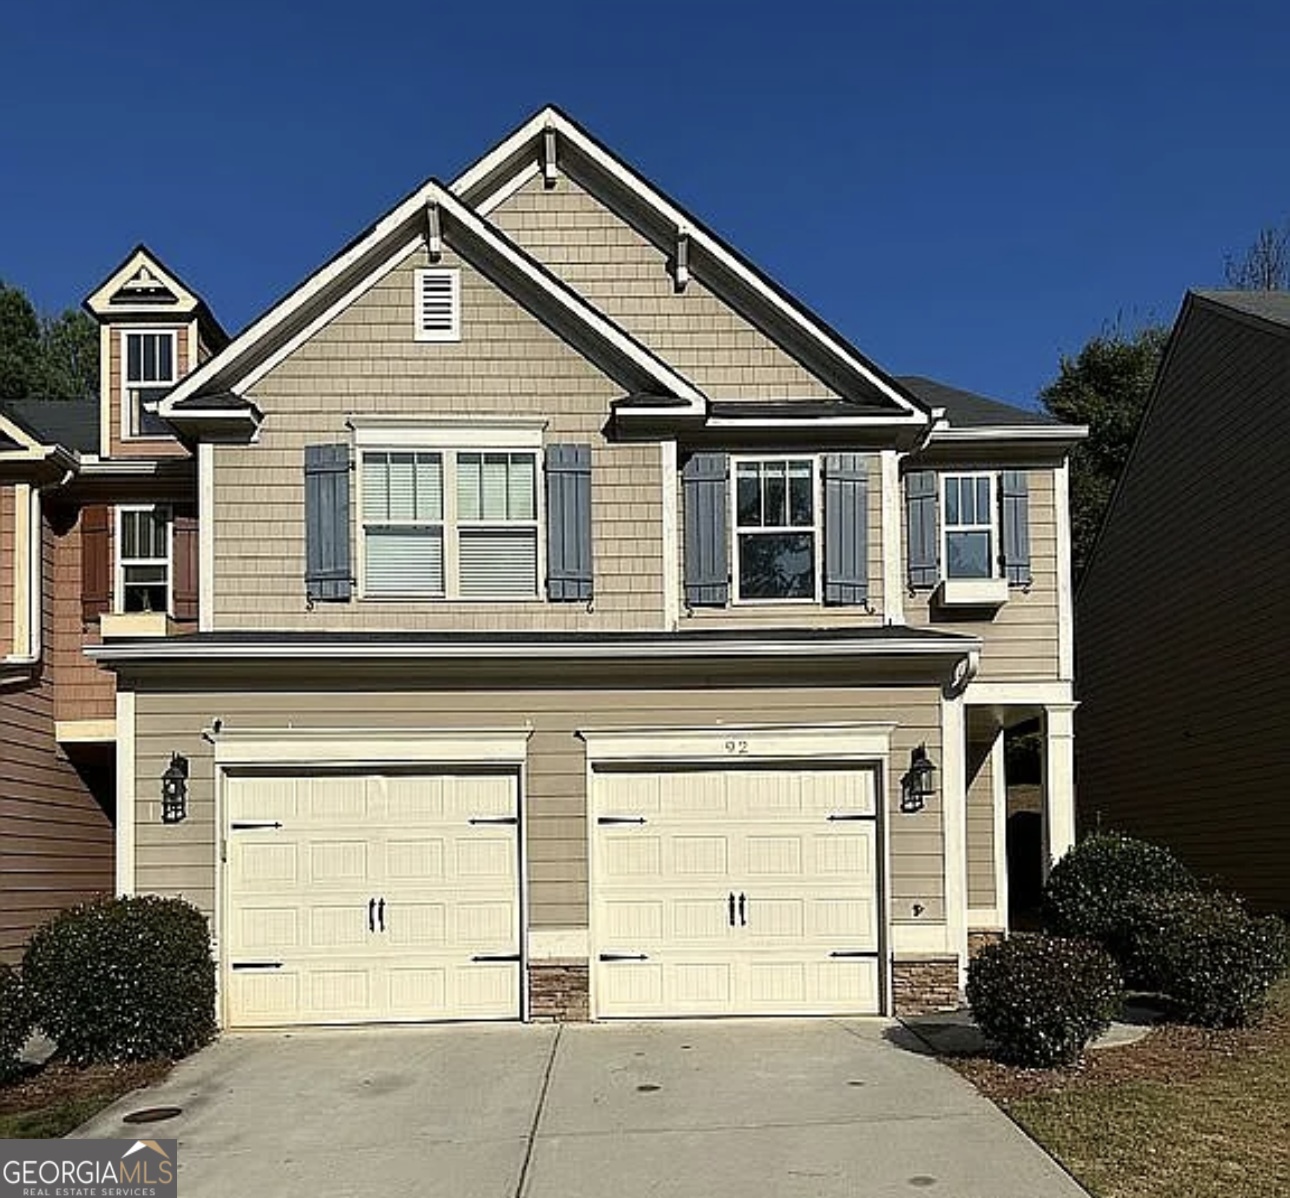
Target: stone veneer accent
{"type": "Point", "coordinates": [978, 940]}
{"type": "Point", "coordinates": [925, 985]}
{"type": "Point", "coordinates": [559, 992]}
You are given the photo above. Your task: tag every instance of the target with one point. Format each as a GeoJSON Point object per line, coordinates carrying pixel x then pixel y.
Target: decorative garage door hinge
{"type": "Point", "coordinates": [621, 819]}
{"type": "Point", "coordinates": [250, 825]}
{"type": "Point", "coordinates": [848, 952]}
{"type": "Point", "coordinates": [835, 818]}
{"type": "Point", "coordinates": [623, 957]}
{"type": "Point", "coordinates": [257, 964]}
{"type": "Point", "coordinates": [496, 957]}
{"type": "Point", "coordinates": [494, 819]}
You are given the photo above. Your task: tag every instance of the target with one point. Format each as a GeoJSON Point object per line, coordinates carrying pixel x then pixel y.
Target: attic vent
{"type": "Point", "coordinates": [438, 304]}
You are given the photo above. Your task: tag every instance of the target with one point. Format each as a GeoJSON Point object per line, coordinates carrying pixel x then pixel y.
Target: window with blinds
{"type": "Point", "coordinates": [460, 525]}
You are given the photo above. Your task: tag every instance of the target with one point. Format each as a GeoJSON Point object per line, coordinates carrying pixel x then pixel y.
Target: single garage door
{"type": "Point", "coordinates": [736, 892]}
{"type": "Point", "coordinates": [372, 897]}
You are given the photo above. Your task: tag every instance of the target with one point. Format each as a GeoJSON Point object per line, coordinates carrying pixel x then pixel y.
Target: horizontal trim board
{"type": "Point", "coordinates": [735, 745]}
{"type": "Point", "coordinates": [317, 747]}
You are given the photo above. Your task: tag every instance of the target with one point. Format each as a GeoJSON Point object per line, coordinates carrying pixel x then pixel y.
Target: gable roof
{"type": "Point", "coordinates": [731, 276]}
{"type": "Point", "coordinates": [71, 423]}
{"type": "Point", "coordinates": [405, 227]}
{"type": "Point", "coordinates": [144, 287]}
{"type": "Point", "coordinates": [1271, 306]}
{"type": "Point", "coordinates": [966, 409]}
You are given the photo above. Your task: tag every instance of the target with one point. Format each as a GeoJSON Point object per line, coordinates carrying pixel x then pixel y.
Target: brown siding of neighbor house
{"type": "Point", "coordinates": [1182, 641]}
{"type": "Point", "coordinates": [146, 447]}
{"type": "Point", "coordinates": [83, 691]}
{"type": "Point", "coordinates": [628, 278]}
{"type": "Point", "coordinates": [366, 361]}
{"type": "Point", "coordinates": [181, 859]}
{"type": "Point", "coordinates": [55, 838]}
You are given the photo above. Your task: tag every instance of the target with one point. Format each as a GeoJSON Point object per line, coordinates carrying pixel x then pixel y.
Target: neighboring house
{"type": "Point", "coordinates": [78, 479]}
{"type": "Point", "coordinates": [577, 615]}
{"type": "Point", "coordinates": [1185, 702]}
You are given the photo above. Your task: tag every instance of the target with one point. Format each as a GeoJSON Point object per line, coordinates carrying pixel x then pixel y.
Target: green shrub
{"type": "Point", "coordinates": [1210, 956]}
{"type": "Point", "coordinates": [123, 980]}
{"type": "Point", "coordinates": [15, 1023]}
{"type": "Point", "coordinates": [1089, 891]}
{"type": "Point", "coordinates": [1041, 999]}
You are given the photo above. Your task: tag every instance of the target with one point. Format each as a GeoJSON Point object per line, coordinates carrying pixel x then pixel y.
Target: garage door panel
{"type": "Point", "coordinates": [370, 902]}
{"type": "Point", "coordinates": [631, 857]}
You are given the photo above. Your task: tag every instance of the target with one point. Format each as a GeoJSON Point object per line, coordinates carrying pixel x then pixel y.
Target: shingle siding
{"type": "Point", "coordinates": [1182, 643]}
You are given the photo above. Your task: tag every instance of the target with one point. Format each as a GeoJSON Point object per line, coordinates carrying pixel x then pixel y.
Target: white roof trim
{"type": "Point", "coordinates": [408, 214]}
{"type": "Point", "coordinates": [15, 432]}
{"type": "Point", "coordinates": [552, 118]}
{"type": "Point", "coordinates": [100, 299]}
{"type": "Point", "coordinates": [681, 646]}
{"type": "Point", "coordinates": [1014, 432]}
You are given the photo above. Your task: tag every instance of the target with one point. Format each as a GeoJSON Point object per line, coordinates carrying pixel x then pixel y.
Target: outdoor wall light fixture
{"type": "Point", "coordinates": [916, 786]}
{"type": "Point", "coordinates": [174, 790]}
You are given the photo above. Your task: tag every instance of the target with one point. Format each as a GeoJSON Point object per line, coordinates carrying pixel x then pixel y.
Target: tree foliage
{"type": "Point", "coordinates": [1265, 265]}
{"type": "Point", "coordinates": [1104, 386]}
{"type": "Point", "coordinates": [55, 357]}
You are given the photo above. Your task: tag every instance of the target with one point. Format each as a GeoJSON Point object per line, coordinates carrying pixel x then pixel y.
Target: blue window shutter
{"type": "Point", "coordinates": [1014, 501]}
{"type": "Point", "coordinates": [569, 576]}
{"type": "Point", "coordinates": [328, 572]}
{"type": "Point", "coordinates": [706, 480]}
{"type": "Point", "coordinates": [846, 528]}
{"type": "Point", "coordinates": [921, 531]}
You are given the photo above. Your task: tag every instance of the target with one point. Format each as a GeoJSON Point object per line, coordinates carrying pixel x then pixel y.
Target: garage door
{"type": "Point", "coordinates": [735, 892]}
{"type": "Point", "coordinates": [373, 897]}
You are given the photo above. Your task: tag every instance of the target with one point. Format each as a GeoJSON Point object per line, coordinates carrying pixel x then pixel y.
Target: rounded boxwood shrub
{"type": "Point", "coordinates": [1208, 954]}
{"type": "Point", "coordinates": [1089, 890]}
{"type": "Point", "coordinates": [1041, 999]}
{"type": "Point", "coordinates": [15, 1023]}
{"type": "Point", "coordinates": [123, 980]}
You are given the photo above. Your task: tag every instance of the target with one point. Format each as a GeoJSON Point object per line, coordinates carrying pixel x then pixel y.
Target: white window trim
{"type": "Point", "coordinates": [421, 333]}
{"type": "Point", "coordinates": [380, 441]}
{"type": "Point", "coordinates": [816, 528]}
{"type": "Point", "coordinates": [127, 434]}
{"type": "Point", "coordinates": [120, 562]}
{"type": "Point", "coordinates": [996, 571]}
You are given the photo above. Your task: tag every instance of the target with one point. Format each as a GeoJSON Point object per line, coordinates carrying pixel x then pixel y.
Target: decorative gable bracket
{"type": "Point", "coordinates": [434, 232]}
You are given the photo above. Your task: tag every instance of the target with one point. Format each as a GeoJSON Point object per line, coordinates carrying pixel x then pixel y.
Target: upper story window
{"type": "Point", "coordinates": [144, 559]}
{"type": "Point", "coordinates": [970, 526]}
{"type": "Point", "coordinates": [776, 529]}
{"type": "Point", "coordinates": [456, 524]}
{"type": "Point", "coordinates": [438, 305]}
{"type": "Point", "coordinates": [149, 370]}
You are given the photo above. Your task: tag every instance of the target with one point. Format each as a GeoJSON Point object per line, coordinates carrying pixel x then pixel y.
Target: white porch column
{"type": "Point", "coordinates": [1059, 781]}
{"type": "Point", "coordinates": [954, 809]}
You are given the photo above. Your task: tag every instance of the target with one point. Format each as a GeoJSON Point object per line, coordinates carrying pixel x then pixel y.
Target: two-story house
{"type": "Point", "coordinates": [97, 539]}
{"type": "Point", "coordinates": [586, 628]}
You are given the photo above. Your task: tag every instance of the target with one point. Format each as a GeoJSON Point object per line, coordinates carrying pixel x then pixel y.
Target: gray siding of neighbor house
{"type": "Point", "coordinates": [180, 859]}
{"type": "Point", "coordinates": [1182, 642]}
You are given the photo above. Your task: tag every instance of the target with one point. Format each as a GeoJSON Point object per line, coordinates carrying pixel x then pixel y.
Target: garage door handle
{"type": "Point", "coordinates": [730, 905]}
{"type": "Point", "coordinates": [743, 917]}
{"type": "Point", "coordinates": [371, 915]}
{"type": "Point", "coordinates": [620, 819]}
{"type": "Point", "coordinates": [623, 957]}
{"type": "Point", "coordinates": [494, 819]}
{"type": "Point", "coordinates": [380, 914]}
{"type": "Point", "coordinates": [496, 958]}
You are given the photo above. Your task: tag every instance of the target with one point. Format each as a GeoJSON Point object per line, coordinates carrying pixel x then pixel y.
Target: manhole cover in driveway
{"type": "Point", "coordinates": [153, 1114]}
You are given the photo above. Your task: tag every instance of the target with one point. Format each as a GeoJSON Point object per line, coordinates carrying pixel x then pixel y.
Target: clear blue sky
{"type": "Point", "coordinates": [965, 188]}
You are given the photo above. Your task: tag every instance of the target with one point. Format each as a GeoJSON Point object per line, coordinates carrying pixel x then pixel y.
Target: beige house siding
{"type": "Point", "coordinates": [795, 615]}
{"type": "Point", "coordinates": [980, 826]}
{"type": "Point", "coordinates": [629, 279]}
{"type": "Point", "coordinates": [366, 361]}
{"type": "Point", "coordinates": [1182, 627]}
{"type": "Point", "coordinates": [180, 859]}
{"type": "Point", "coordinates": [1021, 639]}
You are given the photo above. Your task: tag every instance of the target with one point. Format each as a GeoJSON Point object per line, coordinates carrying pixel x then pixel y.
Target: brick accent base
{"type": "Point", "coordinates": [559, 992]}
{"type": "Point", "coordinates": [978, 940]}
{"type": "Point", "coordinates": [922, 987]}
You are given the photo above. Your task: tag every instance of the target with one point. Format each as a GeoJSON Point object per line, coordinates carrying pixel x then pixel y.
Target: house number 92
{"type": "Point", "coordinates": [737, 747]}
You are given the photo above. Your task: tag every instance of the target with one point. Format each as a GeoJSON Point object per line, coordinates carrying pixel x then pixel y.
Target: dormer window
{"type": "Point", "coordinates": [148, 372]}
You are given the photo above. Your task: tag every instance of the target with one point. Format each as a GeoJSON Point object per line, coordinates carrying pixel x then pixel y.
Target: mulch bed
{"type": "Point", "coordinates": [57, 1082]}
{"type": "Point", "coordinates": [1169, 1053]}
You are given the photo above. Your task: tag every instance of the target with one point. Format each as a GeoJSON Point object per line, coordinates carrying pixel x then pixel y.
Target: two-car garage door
{"type": "Point", "coordinates": [367, 897]}
{"type": "Point", "coordinates": [734, 891]}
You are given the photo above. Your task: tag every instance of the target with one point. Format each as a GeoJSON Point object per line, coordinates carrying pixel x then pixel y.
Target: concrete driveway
{"type": "Point", "coordinates": [704, 1109]}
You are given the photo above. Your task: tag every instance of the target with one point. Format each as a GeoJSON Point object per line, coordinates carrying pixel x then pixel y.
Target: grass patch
{"type": "Point", "coordinates": [57, 1098]}
{"type": "Point", "coordinates": [1185, 1113]}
